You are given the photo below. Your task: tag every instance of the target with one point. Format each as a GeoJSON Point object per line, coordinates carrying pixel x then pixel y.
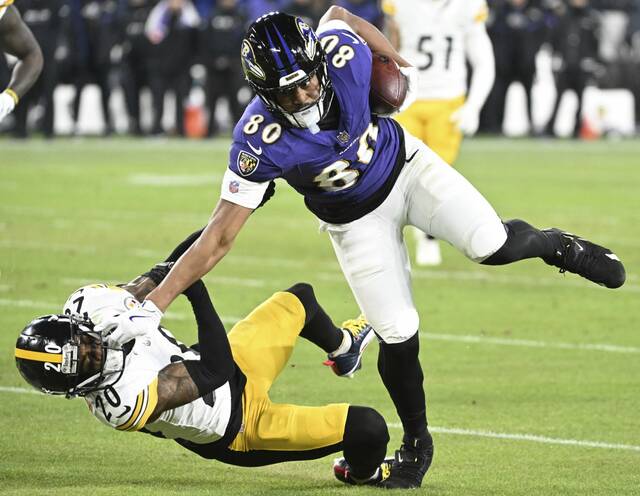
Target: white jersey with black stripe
{"type": "Point", "coordinates": [433, 37]}
{"type": "Point", "coordinates": [127, 404]}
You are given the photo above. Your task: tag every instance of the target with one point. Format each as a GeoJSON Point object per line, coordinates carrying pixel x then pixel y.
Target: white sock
{"type": "Point", "coordinates": [347, 340]}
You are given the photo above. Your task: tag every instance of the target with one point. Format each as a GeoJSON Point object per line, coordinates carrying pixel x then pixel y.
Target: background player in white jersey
{"type": "Point", "coordinates": [211, 398]}
{"type": "Point", "coordinates": [439, 37]}
{"type": "Point", "coordinates": [365, 178]}
{"type": "Point", "coordinates": [16, 39]}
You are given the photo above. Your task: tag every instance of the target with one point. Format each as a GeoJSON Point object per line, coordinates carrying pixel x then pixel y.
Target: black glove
{"type": "Point", "coordinates": [158, 272]}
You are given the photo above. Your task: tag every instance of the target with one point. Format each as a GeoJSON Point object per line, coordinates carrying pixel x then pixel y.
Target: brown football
{"type": "Point", "coordinates": [388, 85]}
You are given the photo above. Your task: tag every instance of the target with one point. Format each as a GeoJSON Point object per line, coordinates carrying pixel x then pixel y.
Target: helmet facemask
{"type": "Point", "coordinates": [308, 116]}
{"type": "Point", "coordinates": [111, 362]}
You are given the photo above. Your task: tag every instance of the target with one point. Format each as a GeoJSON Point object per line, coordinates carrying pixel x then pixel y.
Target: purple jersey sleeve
{"type": "Point", "coordinates": [250, 156]}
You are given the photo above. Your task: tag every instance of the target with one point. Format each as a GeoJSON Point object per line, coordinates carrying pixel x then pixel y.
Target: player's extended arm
{"type": "Point", "coordinates": [480, 55]}
{"type": "Point", "coordinates": [200, 257]}
{"type": "Point", "coordinates": [183, 382]}
{"type": "Point", "coordinates": [368, 32]}
{"type": "Point", "coordinates": [479, 52]}
{"type": "Point", "coordinates": [213, 244]}
{"type": "Point", "coordinates": [16, 39]}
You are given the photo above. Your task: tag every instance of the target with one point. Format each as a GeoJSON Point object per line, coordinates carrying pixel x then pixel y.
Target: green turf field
{"type": "Point", "coordinates": [533, 378]}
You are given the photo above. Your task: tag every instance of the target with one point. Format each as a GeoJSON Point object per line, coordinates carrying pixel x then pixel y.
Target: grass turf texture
{"type": "Point", "coordinates": [74, 212]}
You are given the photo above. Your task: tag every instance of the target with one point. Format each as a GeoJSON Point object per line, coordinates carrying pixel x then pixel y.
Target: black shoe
{"type": "Point", "coordinates": [411, 463]}
{"type": "Point", "coordinates": [587, 259]}
{"type": "Point", "coordinates": [342, 472]}
{"type": "Point", "coordinates": [349, 362]}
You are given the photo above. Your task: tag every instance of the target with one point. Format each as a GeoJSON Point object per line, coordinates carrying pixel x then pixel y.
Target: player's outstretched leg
{"type": "Point", "coordinates": [347, 359]}
{"type": "Point", "coordinates": [561, 249]}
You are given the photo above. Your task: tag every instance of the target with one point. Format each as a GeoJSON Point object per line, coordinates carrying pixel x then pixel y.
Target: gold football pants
{"type": "Point", "coordinates": [262, 344]}
{"type": "Point", "coordinates": [430, 121]}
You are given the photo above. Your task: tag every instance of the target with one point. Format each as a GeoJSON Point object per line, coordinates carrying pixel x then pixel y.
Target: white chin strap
{"type": "Point", "coordinates": [307, 118]}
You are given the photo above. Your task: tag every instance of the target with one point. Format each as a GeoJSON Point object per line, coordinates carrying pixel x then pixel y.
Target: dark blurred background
{"type": "Point", "coordinates": [172, 67]}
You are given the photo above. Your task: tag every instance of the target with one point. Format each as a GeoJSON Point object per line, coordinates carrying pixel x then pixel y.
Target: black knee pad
{"type": "Point", "coordinates": [365, 440]}
{"type": "Point", "coordinates": [365, 426]}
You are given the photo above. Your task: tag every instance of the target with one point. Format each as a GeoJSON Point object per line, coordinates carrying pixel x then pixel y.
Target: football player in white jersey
{"type": "Point", "coordinates": [211, 398]}
{"type": "Point", "coordinates": [16, 39]}
{"type": "Point", "coordinates": [439, 37]}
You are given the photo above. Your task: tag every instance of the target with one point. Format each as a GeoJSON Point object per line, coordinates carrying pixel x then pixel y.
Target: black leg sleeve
{"type": "Point", "coordinates": [401, 373]}
{"type": "Point", "coordinates": [523, 241]}
{"type": "Point", "coordinates": [184, 246]}
{"type": "Point", "coordinates": [159, 271]}
{"type": "Point", "coordinates": [365, 441]}
{"type": "Point", "coordinates": [318, 326]}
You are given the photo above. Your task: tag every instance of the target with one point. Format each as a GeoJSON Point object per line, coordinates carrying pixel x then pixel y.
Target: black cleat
{"type": "Point", "coordinates": [589, 260]}
{"type": "Point", "coordinates": [342, 472]}
{"type": "Point", "coordinates": [411, 463]}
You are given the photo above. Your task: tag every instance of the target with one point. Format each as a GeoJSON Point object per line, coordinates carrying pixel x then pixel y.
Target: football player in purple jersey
{"type": "Point", "coordinates": [365, 178]}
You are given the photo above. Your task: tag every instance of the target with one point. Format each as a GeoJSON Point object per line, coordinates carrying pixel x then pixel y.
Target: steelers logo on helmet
{"type": "Point", "coordinates": [288, 52]}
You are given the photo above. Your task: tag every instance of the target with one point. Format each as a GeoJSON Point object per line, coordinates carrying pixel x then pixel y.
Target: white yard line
{"type": "Point", "coordinates": [173, 181]}
{"type": "Point", "coordinates": [550, 280]}
{"type": "Point", "coordinates": [89, 144]}
{"type": "Point", "coordinates": [526, 343]}
{"type": "Point", "coordinates": [460, 432]}
{"type": "Point", "coordinates": [527, 437]}
{"type": "Point", "coordinates": [455, 338]}
{"type": "Point", "coordinates": [7, 389]}
{"type": "Point", "coordinates": [175, 145]}
{"type": "Point", "coordinates": [493, 276]}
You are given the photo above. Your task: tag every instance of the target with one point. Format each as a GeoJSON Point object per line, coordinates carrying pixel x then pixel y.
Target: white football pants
{"type": "Point", "coordinates": [432, 196]}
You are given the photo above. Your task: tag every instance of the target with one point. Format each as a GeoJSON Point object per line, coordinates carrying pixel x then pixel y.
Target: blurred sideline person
{"type": "Point", "coordinates": [171, 27]}
{"type": "Point", "coordinates": [211, 398]}
{"type": "Point", "coordinates": [219, 41]}
{"type": "Point", "coordinates": [365, 178]}
{"type": "Point", "coordinates": [95, 33]}
{"type": "Point", "coordinates": [138, 57]}
{"type": "Point", "coordinates": [16, 39]}
{"type": "Point", "coordinates": [517, 29]}
{"type": "Point", "coordinates": [574, 44]}
{"type": "Point", "coordinates": [44, 19]}
{"type": "Point", "coordinates": [438, 37]}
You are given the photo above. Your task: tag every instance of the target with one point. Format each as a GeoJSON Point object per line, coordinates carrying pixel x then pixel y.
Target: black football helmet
{"type": "Point", "coordinates": [279, 52]}
{"type": "Point", "coordinates": [48, 356]}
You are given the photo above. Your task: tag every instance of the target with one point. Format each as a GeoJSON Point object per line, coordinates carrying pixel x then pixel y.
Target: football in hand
{"type": "Point", "coordinates": [388, 85]}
